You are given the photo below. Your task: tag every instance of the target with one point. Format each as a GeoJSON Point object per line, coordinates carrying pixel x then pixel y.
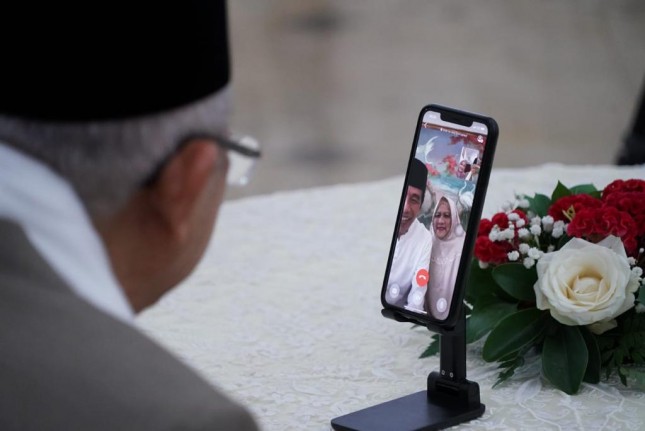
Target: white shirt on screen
{"type": "Point", "coordinates": [408, 280]}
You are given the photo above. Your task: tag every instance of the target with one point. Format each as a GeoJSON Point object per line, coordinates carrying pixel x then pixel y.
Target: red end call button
{"type": "Point", "coordinates": [422, 277]}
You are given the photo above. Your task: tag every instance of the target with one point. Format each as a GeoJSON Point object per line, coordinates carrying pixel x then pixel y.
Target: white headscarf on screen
{"type": "Point", "coordinates": [444, 263]}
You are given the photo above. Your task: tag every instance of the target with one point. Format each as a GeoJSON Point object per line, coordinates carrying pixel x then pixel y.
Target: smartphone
{"type": "Point", "coordinates": [439, 212]}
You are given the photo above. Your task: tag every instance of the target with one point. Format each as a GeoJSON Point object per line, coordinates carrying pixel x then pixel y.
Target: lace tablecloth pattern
{"type": "Point", "coordinates": [283, 314]}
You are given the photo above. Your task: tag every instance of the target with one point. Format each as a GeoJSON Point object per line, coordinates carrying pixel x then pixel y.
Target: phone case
{"type": "Point", "coordinates": [463, 118]}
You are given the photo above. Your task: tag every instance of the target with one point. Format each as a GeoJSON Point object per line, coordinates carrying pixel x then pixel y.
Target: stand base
{"type": "Point", "coordinates": [413, 412]}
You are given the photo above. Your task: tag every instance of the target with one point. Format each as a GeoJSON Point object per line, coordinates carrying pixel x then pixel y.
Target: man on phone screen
{"type": "Point", "coordinates": [408, 280]}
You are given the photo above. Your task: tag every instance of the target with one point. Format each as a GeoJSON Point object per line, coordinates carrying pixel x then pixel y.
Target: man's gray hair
{"type": "Point", "coordinates": [106, 161]}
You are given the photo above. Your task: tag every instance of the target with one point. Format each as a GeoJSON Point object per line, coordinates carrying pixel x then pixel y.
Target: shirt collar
{"type": "Point", "coordinates": [411, 233]}
{"type": "Point", "coordinates": [55, 221]}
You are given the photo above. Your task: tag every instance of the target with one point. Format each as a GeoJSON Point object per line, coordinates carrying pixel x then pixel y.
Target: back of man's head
{"type": "Point", "coordinates": [102, 94]}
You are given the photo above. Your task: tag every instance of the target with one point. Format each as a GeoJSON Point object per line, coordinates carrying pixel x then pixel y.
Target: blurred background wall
{"type": "Point", "coordinates": [332, 88]}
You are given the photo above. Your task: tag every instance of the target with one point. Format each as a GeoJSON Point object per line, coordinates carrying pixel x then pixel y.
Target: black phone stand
{"type": "Point", "coordinates": [449, 400]}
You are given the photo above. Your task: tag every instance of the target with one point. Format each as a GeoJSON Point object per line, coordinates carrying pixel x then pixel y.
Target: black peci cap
{"type": "Point", "coordinates": [109, 60]}
{"type": "Point", "coordinates": [418, 176]}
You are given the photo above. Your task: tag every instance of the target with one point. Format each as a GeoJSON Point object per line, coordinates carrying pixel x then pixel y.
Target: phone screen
{"type": "Point", "coordinates": [440, 197]}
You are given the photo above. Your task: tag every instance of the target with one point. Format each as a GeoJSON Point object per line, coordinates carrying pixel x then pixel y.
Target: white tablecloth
{"type": "Point", "coordinates": [283, 313]}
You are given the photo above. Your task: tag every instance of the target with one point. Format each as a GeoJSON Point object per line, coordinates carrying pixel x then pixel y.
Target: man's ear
{"type": "Point", "coordinates": [175, 193]}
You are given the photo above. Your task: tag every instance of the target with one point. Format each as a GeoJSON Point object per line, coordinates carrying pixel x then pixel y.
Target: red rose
{"type": "Point", "coordinates": [594, 224]}
{"type": "Point", "coordinates": [485, 226]}
{"type": "Point", "coordinates": [616, 222]}
{"type": "Point", "coordinates": [491, 252]}
{"type": "Point", "coordinates": [631, 247]}
{"type": "Point", "coordinates": [632, 203]}
{"type": "Point", "coordinates": [623, 186]}
{"type": "Point", "coordinates": [501, 220]}
{"type": "Point", "coordinates": [568, 206]}
{"type": "Point", "coordinates": [584, 224]}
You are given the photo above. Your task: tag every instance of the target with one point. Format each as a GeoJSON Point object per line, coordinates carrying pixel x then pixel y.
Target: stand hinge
{"type": "Point", "coordinates": [460, 393]}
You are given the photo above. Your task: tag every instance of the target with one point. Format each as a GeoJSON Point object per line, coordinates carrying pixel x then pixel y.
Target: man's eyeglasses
{"type": "Point", "coordinates": [243, 152]}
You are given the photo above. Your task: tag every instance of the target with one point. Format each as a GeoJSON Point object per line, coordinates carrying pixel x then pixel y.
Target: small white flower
{"type": "Point", "coordinates": [534, 253]}
{"type": "Point", "coordinates": [558, 229]}
{"type": "Point", "coordinates": [513, 217]}
{"type": "Point", "coordinates": [547, 223]}
{"type": "Point", "coordinates": [639, 308]}
{"type": "Point", "coordinates": [494, 235]}
{"type": "Point", "coordinates": [535, 221]}
{"type": "Point", "coordinates": [635, 279]}
{"type": "Point", "coordinates": [483, 265]}
{"type": "Point", "coordinates": [547, 219]}
{"type": "Point", "coordinates": [550, 248]}
{"type": "Point", "coordinates": [513, 256]}
{"type": "Point", "coordinates": [507, 234]}
{"type": "Point", "coordinates": [631, 261]}
{"type": "Point", "coordinates": [523, 203]}
{"type": "Point", "coordinates": [524, 248]}
{"type": "Point", "coordinates": [528, 262]}
{"type": "Point", "coordinates": [520, 223]}
{"type": "Point", "coordinates": [641, 250]}
{"type": "Point", "coordinates": [536, 229]}
{"type": "Point", "coordinates": [523, 233]}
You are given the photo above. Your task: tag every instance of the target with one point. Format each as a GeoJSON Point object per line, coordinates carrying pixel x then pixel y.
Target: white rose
{"type": "Point", "coordinates": [602, 326]}
{"type": "Point", "coordinates": [585, 283]}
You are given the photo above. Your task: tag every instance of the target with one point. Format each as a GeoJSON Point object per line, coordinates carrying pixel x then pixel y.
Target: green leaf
{"type": "Point", "coordinates": [592, 373]}
{"type": "Point", "coordinates": [565, 358]}
{"type": "Point", "coordinates": [624, 344]}
{"type": "Point", "coordinates": [623, 373]}
{"type": "Point", "coordinates": [516, 280]}
{"type": "Point", "coordinates": [487, 312]}
{"type": "Point", "coordinates": [510, 357]}
{"type": "Point", "coordinates": [510, 368]}
{"type": "Point", "coordinates": [514, 332]}
{"type": "Point", "coordinates": [539, 204]}
{"type": "Point", "coordinates": [638, 375]}
{"type": "Point", "coordinates": [584, 189]}
{"type": "Point", "coordinates": [560, 191]}
{"type": "Point", "coordinates": [480, 283]}
{"type": "Point", "coordinates": [510, 362]}
{"type": "Point", "coordinates": [433, 348]}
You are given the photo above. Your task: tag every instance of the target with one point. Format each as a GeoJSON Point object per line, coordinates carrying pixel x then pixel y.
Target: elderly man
{"type": "Point", "coordinates": [114, 155]}
{"type": "Point", "coordinates": [408, 278]}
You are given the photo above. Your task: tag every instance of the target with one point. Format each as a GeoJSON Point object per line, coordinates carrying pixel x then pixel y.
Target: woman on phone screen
{"type": "Point", "coordinates": [448, 240]}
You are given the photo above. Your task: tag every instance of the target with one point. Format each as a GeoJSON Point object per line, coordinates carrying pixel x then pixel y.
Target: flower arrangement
{"type": "Point", "coordinates": [561, 275]}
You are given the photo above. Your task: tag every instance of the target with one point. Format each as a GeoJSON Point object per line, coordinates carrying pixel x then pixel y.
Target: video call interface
{"type": "Point", "coordinates": [439, 194]}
